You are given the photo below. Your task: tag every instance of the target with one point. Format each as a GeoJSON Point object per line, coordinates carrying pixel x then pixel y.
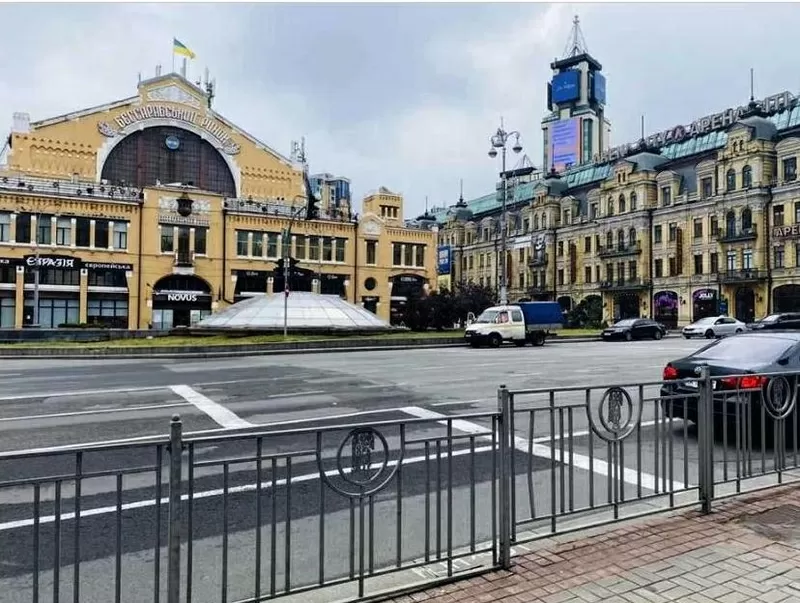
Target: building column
{"type": "Point", "coordinates": [19, 297]}
{"type": "Point", "coordinates": [84, 294]}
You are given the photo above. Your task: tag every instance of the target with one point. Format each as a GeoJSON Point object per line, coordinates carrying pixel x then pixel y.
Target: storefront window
{"type": "Point", "coordinates": [8, 274]}
{"type": "Point", "coordinates": [110, 313]}
{"type": "Point", "coordinates": [107, 278]}
{"type": "Point", "coordinates": [7, 308]}
{"type": "Point", "coordinates": [57, 312]}
{"type": "Point", "coordinates": [54, 276]}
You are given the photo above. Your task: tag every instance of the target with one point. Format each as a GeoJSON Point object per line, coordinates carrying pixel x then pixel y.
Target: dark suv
{"type": "Point", "coordinates": [785, 320]}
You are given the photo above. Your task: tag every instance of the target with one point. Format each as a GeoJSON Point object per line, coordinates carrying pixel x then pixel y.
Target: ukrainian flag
{"type": "Point", "coordinates": [178, 48]}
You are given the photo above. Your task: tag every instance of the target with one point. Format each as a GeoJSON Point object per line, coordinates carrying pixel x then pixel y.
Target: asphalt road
{"type": "Point", "coordinates": [51, 403]}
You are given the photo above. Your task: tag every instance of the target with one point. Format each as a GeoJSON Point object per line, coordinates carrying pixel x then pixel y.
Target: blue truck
{"type": "Point", "coordinates": [520, 323]}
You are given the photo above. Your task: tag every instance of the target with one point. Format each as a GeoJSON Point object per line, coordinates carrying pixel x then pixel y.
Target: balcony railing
{"type": "Point", "coordinates": [184, 259]}
{"type": "Point", "coordinates": [538, 261]}
{"type": "Point", "coordinates": [748, 275]}
{"type": "Point", "coordinates": [624, 284]}
{"type": "Point", "coordinates": [734, 235]}
{"type": "Point", "coordinates": [538, 290]}
{"type": "Point", "coordinates": [634, 248]}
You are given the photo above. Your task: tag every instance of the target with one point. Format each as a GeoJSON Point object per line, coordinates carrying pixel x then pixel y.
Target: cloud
{"type": "Point", "coordinates": [401, 95]}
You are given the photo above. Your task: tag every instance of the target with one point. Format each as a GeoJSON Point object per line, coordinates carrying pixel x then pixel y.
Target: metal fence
{"type": "Point", "coordinates": [353, 508]}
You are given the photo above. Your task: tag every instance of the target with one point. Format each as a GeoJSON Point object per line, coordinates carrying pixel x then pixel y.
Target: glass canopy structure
{"type": "Point", "coordinates": [306, 312]}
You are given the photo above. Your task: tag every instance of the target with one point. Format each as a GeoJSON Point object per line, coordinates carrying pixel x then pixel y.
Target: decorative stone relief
{"type": "Point", "coordinates": [371, 228]}
{"type": "Point", "coordinates": [173, 94]}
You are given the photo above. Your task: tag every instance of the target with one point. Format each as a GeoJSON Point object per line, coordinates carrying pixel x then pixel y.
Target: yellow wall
{"type": "Point", "coordinates": [54, 169]}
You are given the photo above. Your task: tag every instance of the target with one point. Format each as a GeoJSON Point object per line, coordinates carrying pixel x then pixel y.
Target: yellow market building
{"type": "Point", "coordinates": [154, 211]}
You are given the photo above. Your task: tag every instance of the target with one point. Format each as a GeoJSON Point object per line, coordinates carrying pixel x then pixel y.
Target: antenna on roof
{"type": "Point", "coordinates": [642, 126]}
{"type": "Point", "coordinates": [461, 190]}
{"type": "Point", "coordinates": [752, 86]}
{"type": "Point", "coordinates": [576, 44]}
{"type": "Point", "coordinates": [426, 204]}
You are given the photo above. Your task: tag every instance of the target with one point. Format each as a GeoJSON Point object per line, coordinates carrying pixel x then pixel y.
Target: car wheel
{"type": "Point", "coordinates": [709, 334]}
{"type": "Point", "coordinates": [495, 340]}
{"type": "Point", "coordinates": [538, 339]}
{"type": "Point", "coordinates": [628, 336]}
{"type": "Point", "coordinates": [687, 336]}
{"type": "Point", "coordinates": [658, 335]}
{"type": "Point", "coordinates": [738, 331]}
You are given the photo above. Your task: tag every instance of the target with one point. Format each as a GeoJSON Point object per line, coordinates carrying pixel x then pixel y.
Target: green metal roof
{"type": "Point", "coordinates": [587, 174]}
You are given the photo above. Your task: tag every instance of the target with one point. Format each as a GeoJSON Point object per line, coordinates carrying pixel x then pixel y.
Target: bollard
{"type": "Point", "coordinates": [705, 438]}
{"type": "Point", "coordinates": [174, 538]}
{"type": "Point", "coordinates": [504, 494]}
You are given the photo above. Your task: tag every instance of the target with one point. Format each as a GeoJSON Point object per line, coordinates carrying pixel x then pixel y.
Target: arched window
{"type": "Point", "coordinates": [730, 223]}
{"type": "Point", "coordinates": [609, 240]}
{"type": "Point", "coordinates": [610, 206]}
{"type": "Point", "coordinates": [730, 180]}
{"type": "Point", "coordinates": [544, 220]}
{"type": "Point", "coordinates": [536, 221]}
{"type": "Point", "coordinates": [632, 236]}
{"type": "Point", "coordinates": [622, 208]}
{"type": "Point", "coordinates": [747, 176]}
{"type": "Point", "coordinates": [620, 239]}
{"type": "Point", "coordinates": [144, 158]}
{"type": "Point", "coordinates": [747, 219]}
{"type": "Point", "coordinates": [633, 201]}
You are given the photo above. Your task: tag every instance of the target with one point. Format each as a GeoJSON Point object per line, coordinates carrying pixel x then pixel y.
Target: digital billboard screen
{"type": "Point", "coordinates": [599, 88]}
{"type": "Point", "coordinates": [565, 143]}
{"type": "Point", "coordinates": [566, 87]}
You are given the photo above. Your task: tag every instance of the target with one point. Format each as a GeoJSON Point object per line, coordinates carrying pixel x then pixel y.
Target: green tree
{"type": "Point", "coordinates": [470, 297]}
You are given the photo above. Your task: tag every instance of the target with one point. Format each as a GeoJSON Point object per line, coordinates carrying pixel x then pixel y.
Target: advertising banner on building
{"type": "Point", "coordinates": [565, 143]}
{"type": "Point", "coordinates": [444, 259]}
{"type": "Point", "coordinates": [444, 282]}
{"type": "Point", "coordinates": [566, 86]}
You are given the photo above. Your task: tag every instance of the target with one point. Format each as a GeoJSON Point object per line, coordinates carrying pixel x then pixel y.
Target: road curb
{"type": "Point", "coordinates": [329, 347]}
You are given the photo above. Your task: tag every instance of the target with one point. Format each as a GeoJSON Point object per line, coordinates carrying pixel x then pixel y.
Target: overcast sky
{"type": "Point", "coordinates": [400, 95]}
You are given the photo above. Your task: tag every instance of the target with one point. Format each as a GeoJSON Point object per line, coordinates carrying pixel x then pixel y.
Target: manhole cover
{"type": "Point", "coordinates": [781, 523]}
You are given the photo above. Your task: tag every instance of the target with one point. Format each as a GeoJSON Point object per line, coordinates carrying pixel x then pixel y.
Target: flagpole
{"type": "Point", "coordinates": [183, 68]}
{"type": "Point", "coordinates": [173, 60]}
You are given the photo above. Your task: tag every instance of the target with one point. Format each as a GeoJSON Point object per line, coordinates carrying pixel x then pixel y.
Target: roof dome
{"type": "Point", "coordinates": [306, 312]}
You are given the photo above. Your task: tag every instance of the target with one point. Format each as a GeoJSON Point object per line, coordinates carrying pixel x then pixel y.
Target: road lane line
{"type": "Point", "coordinates": [141, 504]}
{"type": "Point", "coordinates": [579, 461]}
{"type": "Point", "coordinates": [84, 392]}
{"type": "Point", "coordinates": [312, 392]}
{"type": "Point", "coordinates": [94, 412]}
{"type": "Point", "coordinates": [217, 412]}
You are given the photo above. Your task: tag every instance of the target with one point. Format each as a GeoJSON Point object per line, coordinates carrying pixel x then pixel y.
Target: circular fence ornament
{"type": "Point", "coordinates": [617, 415]}
{"type": "Point", "coordinates": [362, 464]}
{"type": "Point", "coordinates": [779, 397]}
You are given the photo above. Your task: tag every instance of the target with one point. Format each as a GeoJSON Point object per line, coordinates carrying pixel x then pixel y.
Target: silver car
{"type": "Point", "coordinates": [714, 326]}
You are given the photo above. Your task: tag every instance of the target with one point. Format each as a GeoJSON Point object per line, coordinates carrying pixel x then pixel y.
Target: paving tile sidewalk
{"type": "Point", "coordinates": [748, 549]}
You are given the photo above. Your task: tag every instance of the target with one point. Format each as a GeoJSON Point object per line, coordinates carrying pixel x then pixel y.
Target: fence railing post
{"type": "Point", "coordinates": [705, 438]}
{"type": "Point", "coordinates": [504, 494]}
{"type": "Point", "coordinates": [175, 488]}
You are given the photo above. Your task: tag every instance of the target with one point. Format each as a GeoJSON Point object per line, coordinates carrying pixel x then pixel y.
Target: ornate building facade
{"type": "Point", "coordinates": [702, 219]}
{"type": "Point", "coordinates": [155, 210]}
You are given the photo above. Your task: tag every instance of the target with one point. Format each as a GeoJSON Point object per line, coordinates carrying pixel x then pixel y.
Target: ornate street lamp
{"type": "Point", "coordinates": [499, 140]}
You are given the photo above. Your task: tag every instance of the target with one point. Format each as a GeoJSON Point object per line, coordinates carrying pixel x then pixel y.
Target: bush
{"type": "Point", "coordinates": [443, 309]}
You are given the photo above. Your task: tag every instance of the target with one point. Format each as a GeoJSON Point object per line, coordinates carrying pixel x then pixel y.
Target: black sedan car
{"type": "Point", "coordinates": [634, 328]}
{"type": "Point", "coordinates": [783, 321]}
{"type": "Point", "coordinates": [741, 368]}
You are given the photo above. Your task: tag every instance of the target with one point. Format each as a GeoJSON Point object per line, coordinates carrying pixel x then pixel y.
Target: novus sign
{"type": "Point", "coordinates": [182, 297]}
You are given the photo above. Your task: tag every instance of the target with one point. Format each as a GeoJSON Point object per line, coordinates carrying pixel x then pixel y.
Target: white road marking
{"type": "Point", "coordinates": [217, 412]}
{"type": "Point", "coordinates": [312, 392]}
{"type": "Point", "coordinates": [95, 412]}
{"type": "Point", "coordinates": [379, 385]}
{"type": "Point", "coordinates": [189, 434]}
{"type": "Point", "coordinates": [140, 504]}
{"type": "Point", "coordinates": [84, 392]}
{"type": "Point", "coordinates": [579, 461]}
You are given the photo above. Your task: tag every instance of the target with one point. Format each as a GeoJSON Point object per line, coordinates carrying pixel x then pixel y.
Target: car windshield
{"type": "Point", "coordinates": [628, 322]}
{"type": "Point", "coordinates": [706, 321]}
{"type": "Point", "coordinates": [487, 316]}
{"type": "Point", "coordinates": [771, 318]}
{"type": "Point", "coordinates": [744, 350]}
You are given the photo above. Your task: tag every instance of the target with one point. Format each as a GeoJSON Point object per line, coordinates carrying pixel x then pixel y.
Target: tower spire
{"type": "Point", "coordinates": [576, 44]}
{"type": "Point", "coordinates": [461, 191]}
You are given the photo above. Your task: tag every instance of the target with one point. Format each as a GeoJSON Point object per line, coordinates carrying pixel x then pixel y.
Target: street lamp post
{"type": "Point", "coordinates": [499, 140]}
{"type": "Point", "coordinates": [287, 269]}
